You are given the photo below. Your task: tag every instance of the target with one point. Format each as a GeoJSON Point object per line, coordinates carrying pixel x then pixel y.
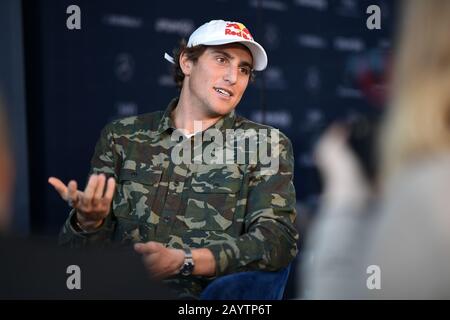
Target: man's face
{"type": "Point", "coordinates": [217, 81]}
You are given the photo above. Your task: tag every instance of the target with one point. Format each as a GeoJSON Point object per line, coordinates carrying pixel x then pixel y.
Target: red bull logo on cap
{"type": "Point", "coordinates": [238, 29]}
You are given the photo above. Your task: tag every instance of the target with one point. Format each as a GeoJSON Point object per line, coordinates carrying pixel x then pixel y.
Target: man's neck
{"type": "Point", "coordinates": [185, 115]}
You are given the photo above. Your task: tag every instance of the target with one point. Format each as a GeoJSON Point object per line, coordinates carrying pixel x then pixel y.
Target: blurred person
{"type": "Point", "coordinates": [197, 221]}
{"type": "Point", "coordinates": [6, 175]}
{"type": "Point", "coordinates": [332, 266]}
{"type": "Point", "coordinates": [405, 232]}
{"type": "Point", "coordinates": [411, 241]}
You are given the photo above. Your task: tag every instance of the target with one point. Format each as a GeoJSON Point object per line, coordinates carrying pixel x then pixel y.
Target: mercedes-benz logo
{"type": "Point", "coordinates": [124, 67]}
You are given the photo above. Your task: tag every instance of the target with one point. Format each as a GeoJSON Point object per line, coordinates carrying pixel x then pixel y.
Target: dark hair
{"type": "Point", "coordinates": [192, 53]}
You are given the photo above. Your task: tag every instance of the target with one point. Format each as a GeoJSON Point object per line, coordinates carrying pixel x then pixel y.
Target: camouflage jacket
{"type": "Point", "coordinates": [245, 218]}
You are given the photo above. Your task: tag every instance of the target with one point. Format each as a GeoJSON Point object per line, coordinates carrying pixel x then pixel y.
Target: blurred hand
{"type": "Point", "coordinates": [161, 262]}
{"type": "Point", "coordinates": [92, 205]}
{"type": "Point", "coordinates": [342, 173]}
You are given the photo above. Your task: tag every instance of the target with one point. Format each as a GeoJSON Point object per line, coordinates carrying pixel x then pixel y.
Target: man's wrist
{"type": "Point", "coordinates": [86, 226]}
{"type": "Point", "coordinates": [205, 263]}
{"type": "Point", "coordinates": [188, 264]}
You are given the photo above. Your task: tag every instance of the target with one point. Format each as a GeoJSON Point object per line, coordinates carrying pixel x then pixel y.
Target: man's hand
{"type": "Point", "coordinates": [340, 169]}
{"type": "Point", "coordinates": [164, 262]}
{"type": "Point", "coordinates": [92, 205]}
{"type": "Point", "coordinates": [160, 261]}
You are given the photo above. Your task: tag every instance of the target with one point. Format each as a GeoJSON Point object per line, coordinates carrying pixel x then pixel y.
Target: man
{"type": "Point", "coordinates": [192, 221]}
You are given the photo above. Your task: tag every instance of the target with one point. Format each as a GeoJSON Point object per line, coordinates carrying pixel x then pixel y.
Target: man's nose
{"type": "Point", "coordinates": [231, 75]}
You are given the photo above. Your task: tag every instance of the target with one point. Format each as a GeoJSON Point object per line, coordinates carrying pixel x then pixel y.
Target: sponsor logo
{"type": "Point", "coordinates": [313, 80]}
{"type": "Point", "coordinates": [181, 27]}
{"type": "Point", "coordinates": [349, 8]}
{"type": "Point", "coordinates": [126, 109]}
{"type": "Point", "coordinates": [166, 80]}
{"type": "Point", "coordinates": [238, 29]}
{"type": "Point", "coordinates": [346, 92]}
{"type": "Point", "coordinates": [312, 41]}
{"type": "Point", "coordinates": [123, 21]}
{"type": "Point", "coordinates": [268, 5]}
{"type": "Point", "coordinates": [275, 79]}
{"type": "Point", "coordinates": [349, 44]}
{"type": "Point", "coordinates": [312, 122]}
{"type": "Point", "coordinates": [320, 5]}
{"type": "Point", "coordinates": [279, 118]}
{"type": "Point", "coordinates": [272, 36]}
{"type": "Point", "coordinates": [124, 67]}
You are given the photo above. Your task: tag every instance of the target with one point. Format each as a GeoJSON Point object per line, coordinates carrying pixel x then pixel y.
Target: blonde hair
{"type": "Point", "coordinates": [417, 123]}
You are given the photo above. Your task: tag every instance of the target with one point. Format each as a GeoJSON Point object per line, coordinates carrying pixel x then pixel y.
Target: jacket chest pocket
{"type": "Point", "coordinates": [212, 198]}
{"type": "Point", "coordinates": [135, 192]}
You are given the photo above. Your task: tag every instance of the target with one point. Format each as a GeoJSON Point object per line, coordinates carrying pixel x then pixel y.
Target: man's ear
{"type": "Point", "coordinates": [185, 64]}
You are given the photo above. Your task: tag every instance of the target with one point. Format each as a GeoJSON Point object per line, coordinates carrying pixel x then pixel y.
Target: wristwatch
{"type": "Point", "coordinates": [188, 265]}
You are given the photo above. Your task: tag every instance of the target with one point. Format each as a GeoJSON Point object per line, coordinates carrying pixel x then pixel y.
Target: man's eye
{"type": "Point", "coordinates": [245, 71]}
{"type": "Point", "coordinates": [220, 60]}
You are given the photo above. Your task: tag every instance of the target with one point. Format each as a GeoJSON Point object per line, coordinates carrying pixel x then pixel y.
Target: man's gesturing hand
{"type": "Point", "coordinates": [160, 261]}
{"type": "Point", "coordinates": [93, 204]}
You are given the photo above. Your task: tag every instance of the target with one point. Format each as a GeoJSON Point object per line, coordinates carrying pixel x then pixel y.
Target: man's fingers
{"type": "Point", "coordinates": [111, 185]}
{"type": "Point", "coordinates": [90, 188]}
{"type": "Point", "coordinates": [141, 248]}
{"type": "Point", "coordinates": [147, 248]}
{"type": "Point", "coordinates": [73, 192]}
{"type": "Point", "coordinates": [69, 192]}
{"type": "Point", "coordinates": [59, 186]}
{"type": "Point", "coordinates": [98, 194]}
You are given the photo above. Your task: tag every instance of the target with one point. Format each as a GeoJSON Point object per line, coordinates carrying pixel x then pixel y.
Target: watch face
{"type": "Point", "coordinates": [187, 269]}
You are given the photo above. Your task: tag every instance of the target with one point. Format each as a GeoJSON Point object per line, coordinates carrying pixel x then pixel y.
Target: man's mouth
{"type": "Point", "coordinates": [223, 92]}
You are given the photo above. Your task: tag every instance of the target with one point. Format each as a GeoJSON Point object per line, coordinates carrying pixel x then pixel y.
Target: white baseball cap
{"type": "Point", "coordinates": [218, 32]}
